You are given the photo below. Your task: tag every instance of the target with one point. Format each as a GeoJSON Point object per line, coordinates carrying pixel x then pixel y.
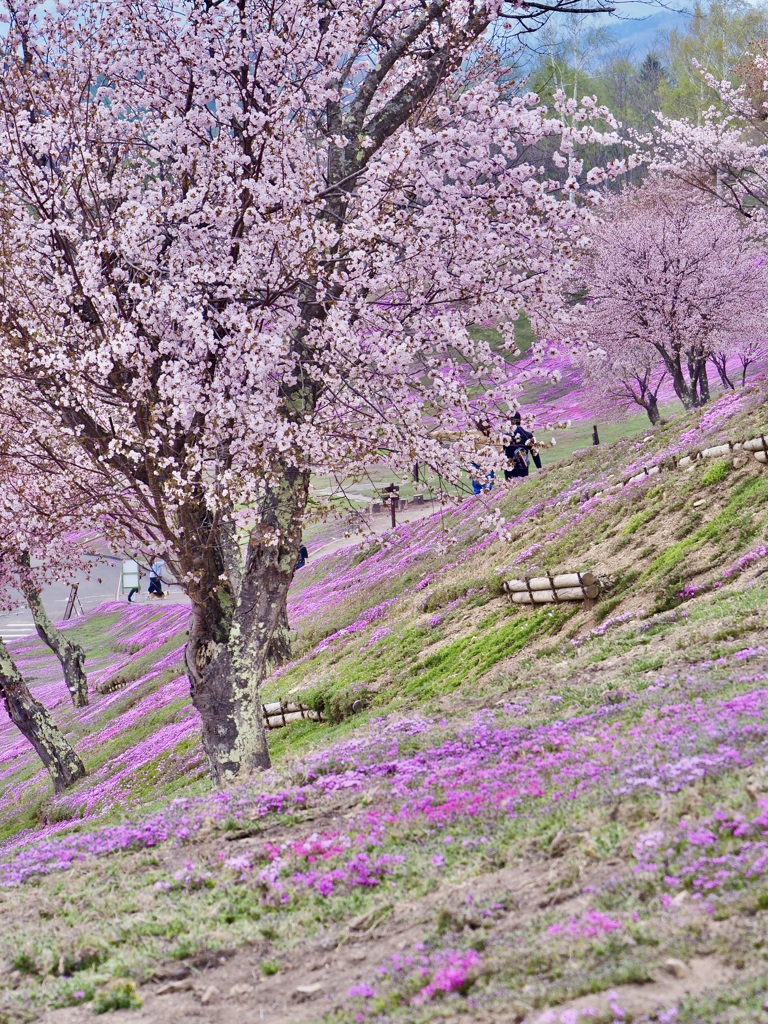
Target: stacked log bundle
{"type": "Point", "coordinates": [282, 713]}
{"type": "Point", "coordinates": [568, 586]}
{"type": "Point", "coordinates": [758, 446]}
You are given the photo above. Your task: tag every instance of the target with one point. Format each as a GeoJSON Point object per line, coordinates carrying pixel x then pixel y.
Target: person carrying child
{"type": "Point", "coordinates": [520, 450]}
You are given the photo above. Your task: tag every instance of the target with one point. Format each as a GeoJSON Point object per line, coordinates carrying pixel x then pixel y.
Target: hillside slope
{"type": "Point", "coordinates": [512, 814]}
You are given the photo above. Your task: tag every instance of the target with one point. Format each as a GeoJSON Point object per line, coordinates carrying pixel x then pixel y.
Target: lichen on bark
{"type": "Point", "coordinates": [35, 723]}
{"type": "Point", "coordinates": [239, 623]}
{"type": "Point", "coordinates": [70, 654]}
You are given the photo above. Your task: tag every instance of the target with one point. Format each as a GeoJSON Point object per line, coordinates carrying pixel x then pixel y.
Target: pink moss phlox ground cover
{"type": "Point", "coordinates": [714, 419]}
{"type": "Point", "coordinates": [470, 777]}
{"type": "Point", "coordinates": [610, 623]}
{"type": "Point", "coordinates": [713, 858]}
{"type": "Point", "coordinates": [322, 862]}
{"type": "Point", "coordinates": [589, 925]}
{"type": "Point", "coordinates": [445, 971]}
{"type": "Point", "coordinates": [742, 563]}
{"type": "Point", "coordinates": [143, 629]}
{"type": "Point", "coordinates": [588, 1014]}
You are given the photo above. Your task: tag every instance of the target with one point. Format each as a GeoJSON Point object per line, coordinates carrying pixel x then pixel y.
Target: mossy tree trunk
{"type": "Point", "coordinates": [70, 654]}
{"type": "Point", "coordinates": [34, 722]}
{"type": "Point", "coordinates": [239, 628]}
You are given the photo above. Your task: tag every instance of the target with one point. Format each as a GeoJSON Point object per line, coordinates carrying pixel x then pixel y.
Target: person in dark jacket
{"type": "Point", "coordinates": [521, 447]}
{"type": "Point", "coordinates": [303, 557]}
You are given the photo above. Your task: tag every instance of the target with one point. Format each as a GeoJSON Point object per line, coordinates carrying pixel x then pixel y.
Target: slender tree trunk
{"type": "Point", "coordinates": [720, 360]}
{"type": "Point", "coordinates": [36, 725]}
{"type": "Point", "coordinates": [236, 617]}
{"type": "Point", "coordinates": [70, 654]}
{"type": "Point", "coordinates": [644, 395]}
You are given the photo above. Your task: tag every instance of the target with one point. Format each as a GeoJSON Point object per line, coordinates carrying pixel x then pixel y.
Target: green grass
{"type": "Point", "coordinates": [715, 473]}
{"type": "Point", "coordinates": [735, 525]}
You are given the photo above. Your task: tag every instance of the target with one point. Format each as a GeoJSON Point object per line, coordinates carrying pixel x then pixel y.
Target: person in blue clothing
{"type": "Point", "coordinates": [155, 588]}
{"type": "Point", "coordinates": [520, 450]}
{"type": "Point", "coordinates": [482, 436]}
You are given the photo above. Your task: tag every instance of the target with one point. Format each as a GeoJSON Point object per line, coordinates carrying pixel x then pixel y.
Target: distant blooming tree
{"type": "Point", "coordinates": [243, 241]}
{"type": "Point", "coordinates": [620, 375]}
{"type": "Point", "coordinates": [740, 353]}
{"type": "Point", "coordinates": [40, 544]}
{"type": "Point", "coordinates": [37, 547]}
{"type": "Point", "coordinates": [675, 278]}
{"type": "Point", "coordinates": [724, 153]}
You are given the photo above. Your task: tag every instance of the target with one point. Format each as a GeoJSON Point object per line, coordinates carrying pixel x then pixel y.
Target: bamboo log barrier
{"type": "Point", "coordinates": [569, 586]}
{"type": "Point", "coordinates": [757, 446]}
{"type": "Point", "coordinates": [564, 580]}
{"type": "Point", "coordinates": [279, 714]}
{"type": "Point", "coordinates": [556, 596]}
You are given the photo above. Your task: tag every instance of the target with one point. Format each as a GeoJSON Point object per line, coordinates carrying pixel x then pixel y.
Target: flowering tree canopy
{"type": "Point", "coordinates": [723, 153]}
{"type": "Point", "coordinates": [243, 241]}
{"type": "Point", "coordinates": [674, 275]}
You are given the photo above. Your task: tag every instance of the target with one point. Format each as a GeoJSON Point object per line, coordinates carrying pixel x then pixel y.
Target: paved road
{"type": "Point", "coordinates": [102, 586]}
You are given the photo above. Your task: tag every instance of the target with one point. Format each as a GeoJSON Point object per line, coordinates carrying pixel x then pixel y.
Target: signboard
{"type": "Point", "coordinates": [130, 579]}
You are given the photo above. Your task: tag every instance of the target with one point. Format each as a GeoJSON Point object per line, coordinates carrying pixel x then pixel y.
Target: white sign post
{"type": "Point", "coordinates": [130, 577]}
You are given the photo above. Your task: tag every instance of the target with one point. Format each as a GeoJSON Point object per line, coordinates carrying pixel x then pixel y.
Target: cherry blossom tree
{"type": "Point", "coordinates": [38, 546]}
{"type": "Point", "coordinates": [742, 352]}
{"type": "Point", "coordinates": [675, 277]}
{"type": "Point", "coordinates": [621, 375]}
{"type": "Point", "coordinates": [243, 241]}
{"type": "Point", "coordinates": [723, 155]}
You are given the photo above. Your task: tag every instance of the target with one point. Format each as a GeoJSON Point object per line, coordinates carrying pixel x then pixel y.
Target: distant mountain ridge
{"type": "Point", "coordinates": [643, 31]}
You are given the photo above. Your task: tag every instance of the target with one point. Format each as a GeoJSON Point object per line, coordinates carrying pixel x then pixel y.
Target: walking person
{"type": "Point", "coordinates": [521, 448]}
{"type": "Point", "coordinates": [481, 482]}
{"type": "Point", "coordinates": [155, 588]}
{"type": "Point", "coordinates": [303, 556]}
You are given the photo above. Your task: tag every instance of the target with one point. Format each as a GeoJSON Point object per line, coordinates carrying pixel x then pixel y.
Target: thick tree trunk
{"type": "Point", "coordinates": [699, 381]}
{"type": "Point", "coordinates": [70, 654]}
{"type": "Point", "coordinates": [279, 650]}
{"type": "Point", "coordinates": [37, 726]}
{"type": "Point", "coordinates": [237, 625]}
{"type": "Point", "coordinates": [675, 370]}
{"type": "Point", "coordinates": [652, 408]}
